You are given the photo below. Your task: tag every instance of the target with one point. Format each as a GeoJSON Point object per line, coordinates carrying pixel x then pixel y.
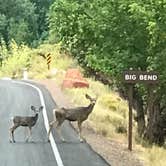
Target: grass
{"type": "Point", "coordinates": [110, 115]}
{"type": "Point", "coordinates": [154, 156]}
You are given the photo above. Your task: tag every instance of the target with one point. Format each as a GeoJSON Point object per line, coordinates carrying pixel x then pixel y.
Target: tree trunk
{"type": "Point", "coordinates": [154, 131]}
{"type": "Point", "coordinates": [140, 118]}
{"type": "Point", "coordinates": [138, 106]}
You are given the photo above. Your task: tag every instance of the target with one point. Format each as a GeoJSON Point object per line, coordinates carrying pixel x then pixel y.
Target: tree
{"type": "Point", "coordinates": [42, 8]}
{"type": "Point", "coordinates": [20, 21]}
{"type": "Point", "coordinates": [112, 36]}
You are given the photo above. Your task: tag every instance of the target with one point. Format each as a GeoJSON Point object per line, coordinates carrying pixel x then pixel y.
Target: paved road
{"type": "Point", "coordinates": [16, 99]}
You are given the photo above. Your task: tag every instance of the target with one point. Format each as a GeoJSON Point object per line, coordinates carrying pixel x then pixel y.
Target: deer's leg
{"type": "Point", "coordinates": [58, 127]}
{"type": "Point", "coordinates": [80, 131]}
{"type": "Point", "coordinates": [11, 130]}
{"type": "Point", "coordinates": [29, 133]}
{"type": "Point", "coordinates": [56, 124]}
{"type": "Point", "coordinates": [51, 125]}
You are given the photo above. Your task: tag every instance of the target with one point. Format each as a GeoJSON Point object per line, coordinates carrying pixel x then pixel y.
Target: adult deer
{"type": "Point", "coordinates": [79, 114]}
{"type": "Point", "coordinates": [25, 121]}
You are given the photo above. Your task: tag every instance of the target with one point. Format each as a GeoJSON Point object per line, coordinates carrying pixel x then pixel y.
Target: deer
{"type": "Point", "coordinates": [24, 121]}
{"type": "Point", "coordinates": [78, 114]}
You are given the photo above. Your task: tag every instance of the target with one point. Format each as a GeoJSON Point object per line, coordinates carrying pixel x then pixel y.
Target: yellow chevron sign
{"type": "Point", "coordinates": [48, 57]}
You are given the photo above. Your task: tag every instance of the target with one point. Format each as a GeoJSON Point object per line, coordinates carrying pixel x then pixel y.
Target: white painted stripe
{"type": "Point", "coordinates": [46, 122]}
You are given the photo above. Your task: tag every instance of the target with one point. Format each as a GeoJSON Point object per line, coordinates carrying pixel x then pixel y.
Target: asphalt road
{"type": "Point", "coordinates": [16, 99]}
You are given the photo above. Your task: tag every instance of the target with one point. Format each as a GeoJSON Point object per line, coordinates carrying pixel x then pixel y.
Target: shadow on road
{"type": "Point", "coordinates": [30, 142]}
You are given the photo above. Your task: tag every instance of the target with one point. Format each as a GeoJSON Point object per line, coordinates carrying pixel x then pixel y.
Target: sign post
{"type": "Point", "coordinates": [48, 57]}
{"type": "Point", "coordinates": [132, 77]}
{"type": "Point", "coordinates": [130, 126]}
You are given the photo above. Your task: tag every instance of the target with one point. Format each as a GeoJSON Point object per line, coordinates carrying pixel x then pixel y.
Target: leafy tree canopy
{"type": "Point", "coordinates": [24, 20]}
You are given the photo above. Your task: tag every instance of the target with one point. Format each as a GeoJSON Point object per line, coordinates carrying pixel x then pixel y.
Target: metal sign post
{"type": "Point", "coordinates": [131, 78]}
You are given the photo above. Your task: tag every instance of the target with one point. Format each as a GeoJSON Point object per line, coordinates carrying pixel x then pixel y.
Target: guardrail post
{"type": "Point", "coordinates": [25, 74]}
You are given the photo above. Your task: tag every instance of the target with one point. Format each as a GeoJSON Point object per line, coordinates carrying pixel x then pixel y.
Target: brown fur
{"type": "Point", "coordinates": [79, 114]}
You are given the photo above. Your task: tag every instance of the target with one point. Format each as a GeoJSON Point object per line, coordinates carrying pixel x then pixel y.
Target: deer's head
{"type": "Point", "coordinates": [36, 111]}
{"type": "Point", "coordinates": [92, 100]}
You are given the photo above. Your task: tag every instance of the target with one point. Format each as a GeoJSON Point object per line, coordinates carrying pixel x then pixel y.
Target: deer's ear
{"type": "Point", "coordinates": [87, 96]}
{"type": "Point", "coordinates": [33, 108]}
{"type": "Point", "coordinates": [41, 108]}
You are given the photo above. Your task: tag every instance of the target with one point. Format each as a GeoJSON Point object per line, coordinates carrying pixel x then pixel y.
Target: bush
{"type": "Point", "coordinates": [19, 57]}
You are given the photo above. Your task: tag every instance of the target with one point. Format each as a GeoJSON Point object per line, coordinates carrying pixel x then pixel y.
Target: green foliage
{"type": "Point", "coordinates": [25, 21]}
{"type": "Point", "coordinates": [19, 57]}
{"type": "Point", "coordinates": [3, 24]}
{"type": "Point", "coordinates": [20, 31]}
{"type": "Point", "coordinates": [87, 24]}
{"type": "Point", "coordinates": [109, 36]}
{"type": "Point", "coordinates": [19, 20]}
{"type": "Point", "coordinates": [3, 51]}
{"type": "Point", "coordinates": [42, 7]}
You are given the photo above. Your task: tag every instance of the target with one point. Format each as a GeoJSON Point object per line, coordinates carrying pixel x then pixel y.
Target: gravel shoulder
{"type": "Point", "coordinates": [113, 151]}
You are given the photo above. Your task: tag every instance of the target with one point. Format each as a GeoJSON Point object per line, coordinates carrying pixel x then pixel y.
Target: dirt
{"type": "Point", "coordinates": [113, 151]}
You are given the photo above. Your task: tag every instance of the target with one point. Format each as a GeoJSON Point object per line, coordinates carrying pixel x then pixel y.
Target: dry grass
{"type": "Point", "coordinates": [154, 156]}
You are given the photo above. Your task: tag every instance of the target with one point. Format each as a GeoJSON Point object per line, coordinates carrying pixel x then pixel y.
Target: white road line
{"type": "Point", "coordinates": [46, 122]}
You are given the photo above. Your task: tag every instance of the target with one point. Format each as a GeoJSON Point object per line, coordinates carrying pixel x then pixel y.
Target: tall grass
{"type": "Point", "coordinates": [154, 156]}
{"type": "Point", "coordinates": [19, 57]}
